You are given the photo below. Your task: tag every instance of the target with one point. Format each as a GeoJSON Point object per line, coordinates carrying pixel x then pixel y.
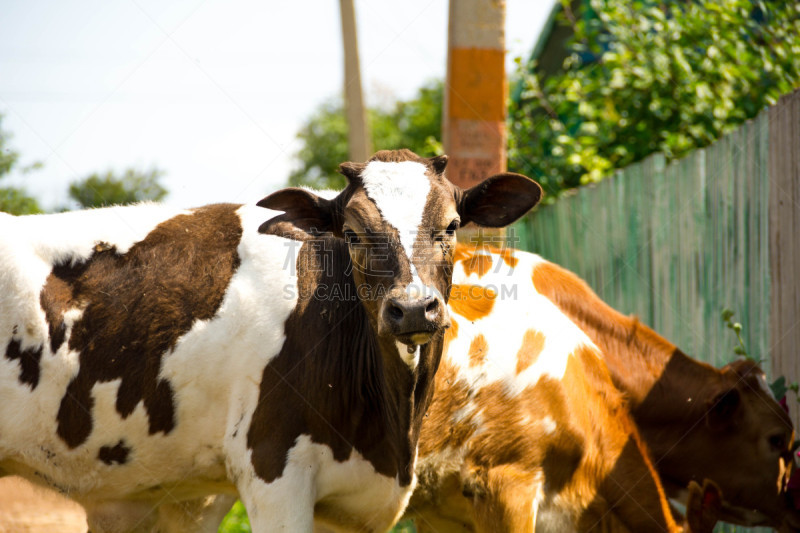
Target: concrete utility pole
{"type": "Point", "coordinates": [357, 127]}
{"type": "Point", "coordinates": [475, 93]}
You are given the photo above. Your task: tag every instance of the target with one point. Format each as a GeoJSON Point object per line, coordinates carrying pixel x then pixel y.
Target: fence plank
{"type": "Point", "coordinates": [784, 199]}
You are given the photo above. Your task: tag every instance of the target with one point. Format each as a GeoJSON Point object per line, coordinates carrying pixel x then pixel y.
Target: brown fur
{"type": "Point", "coordinates": [29, 359]}
{"type": "Point", "coordinates": [114, 454]}
{"type": "Point", "coordinates": [472, 301]}
{"type": "Point", "coordinates": [137, 306]}
{"type": "Point", "coordinates": [479, 264]}
{"type": "Point", "coordinates": [360, 412]}
{"type": "Point", "coordinates": [477, 351]}
{"type": "Point", "coordinates": [532, 346]}
{"type": "Point", "coordinates": [594, 459]}
{"type": "Point", "coordinates": [472, 261]}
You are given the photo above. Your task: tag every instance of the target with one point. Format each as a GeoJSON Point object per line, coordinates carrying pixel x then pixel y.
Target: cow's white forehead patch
{"type": "Point", "coordinates": [400, 190]}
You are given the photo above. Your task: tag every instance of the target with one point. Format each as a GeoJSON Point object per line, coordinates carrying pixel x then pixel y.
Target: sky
{"type": "Point", "coordinates": [212, 92]}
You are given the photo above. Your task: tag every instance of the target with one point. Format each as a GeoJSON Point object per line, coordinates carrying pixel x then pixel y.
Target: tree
{"type": "Point", "coordinates": [650, 75]}
{"type": "Point", "coordinates": [14, 200]}
{"type": "Point", "coordinates": [133, 186]}
{"type": "Point", "coordinates": [413, 124]}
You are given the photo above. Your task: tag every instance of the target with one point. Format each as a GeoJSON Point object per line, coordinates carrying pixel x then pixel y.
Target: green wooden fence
{"type": "Point", "coordinates": [674, 244]}
{"type": "Point", "coordinates": [677, 243]}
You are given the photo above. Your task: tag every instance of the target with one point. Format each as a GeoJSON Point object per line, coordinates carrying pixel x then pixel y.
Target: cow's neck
{"type": "Point", "coordinates": [647, 367]}
{"type": "Point", "coordinates": [666, 389]}
{"type": "Point", "coordinates": [380, 400]}
{"type": "Point", "coordinates": [410, 395]}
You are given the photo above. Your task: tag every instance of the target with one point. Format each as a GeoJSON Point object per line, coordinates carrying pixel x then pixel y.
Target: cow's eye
{"type": "Point", "coordinates": [350, 236]}
{"type": "Point", "coordinates": [777, 442]}
{"type": "Point", "coordinates": [451, 229]}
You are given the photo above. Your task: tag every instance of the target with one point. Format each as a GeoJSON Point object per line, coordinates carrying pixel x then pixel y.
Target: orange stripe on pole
{"type": "Point", "coordinates": [477, 84]}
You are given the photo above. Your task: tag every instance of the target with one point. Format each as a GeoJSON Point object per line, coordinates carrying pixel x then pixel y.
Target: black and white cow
{"type": "Point", "coordinates": [153, 357]}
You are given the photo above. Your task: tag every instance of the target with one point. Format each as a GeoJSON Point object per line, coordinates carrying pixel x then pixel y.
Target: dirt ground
{"type": "Point", "coordinates": [25, 508]}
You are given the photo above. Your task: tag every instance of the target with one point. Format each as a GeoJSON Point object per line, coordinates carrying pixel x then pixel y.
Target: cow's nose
{"type": "Point", "coordinates": [414, 320]}
{"type": "Point", "coordinates": [409, 316]}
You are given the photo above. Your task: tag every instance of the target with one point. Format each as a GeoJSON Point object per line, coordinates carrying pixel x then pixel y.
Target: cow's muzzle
{"type": "Point", "coordinates": [413, 320]}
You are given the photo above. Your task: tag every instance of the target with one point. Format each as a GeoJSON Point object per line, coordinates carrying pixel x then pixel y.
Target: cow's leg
{"type": "Point", "coordinates": [505, 499]}
{"type": "Point", "coordinates": [285, 503]}
{"type": "Point", "coordinates": [633, 491]}
{"type": "Point", "coordinates": [202, 515]}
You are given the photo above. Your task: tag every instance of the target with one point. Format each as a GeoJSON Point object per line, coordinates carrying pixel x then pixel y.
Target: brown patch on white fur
{"type": "Point", "coordinates": [478, 264]}
{"type": "Point", "coordinates": [478, 349]}
{"type": "Point", "coordinates": [472, 301]}
{"type": "Point", "coordinates": [127, 327]}
{"type": "Point", "coordinates": [532, 346]}
{"type": "Point", "coordinates": [466, 254]}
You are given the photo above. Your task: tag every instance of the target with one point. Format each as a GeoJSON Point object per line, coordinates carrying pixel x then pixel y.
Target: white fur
{"type": "Point", "coordinates": [364, 500]}
{"type": "Point", "coordinates": [400, 191]}
{"type": "Point", "coordinates": [517, 302]}
{"type": "Point", "coordinates": [411, 359]}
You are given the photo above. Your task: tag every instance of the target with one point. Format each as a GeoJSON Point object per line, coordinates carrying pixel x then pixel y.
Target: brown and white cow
{"type": "Point", "coordinates": [154, 357]}
{"type": "Point", "coordinates": [526, 431]}
{"type": "Point", "coordinates": [518, 312]}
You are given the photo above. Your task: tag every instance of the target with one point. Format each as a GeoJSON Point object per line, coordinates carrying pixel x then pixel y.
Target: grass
{"type": "Point", "coordinates": [236, 522]}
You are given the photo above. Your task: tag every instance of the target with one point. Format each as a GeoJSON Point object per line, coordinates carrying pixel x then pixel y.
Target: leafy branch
{"type": "Point", "coordinates": [727, 318]}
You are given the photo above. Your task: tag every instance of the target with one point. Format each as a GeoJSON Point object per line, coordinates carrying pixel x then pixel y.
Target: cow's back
{"type": "Point", "coordinates": [129, 361]}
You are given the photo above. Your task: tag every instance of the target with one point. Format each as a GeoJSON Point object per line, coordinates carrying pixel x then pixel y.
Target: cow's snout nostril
{"type": "Point", "coordinates": [432, 306]}
{"type": "Point", "coordinates": [433, 309]}
{"type": "Point", "coordinates": [395, 313]}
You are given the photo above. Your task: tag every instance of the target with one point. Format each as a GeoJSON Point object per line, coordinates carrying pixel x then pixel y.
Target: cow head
{"type": "Point", "coordinates": [744, 442]}
{"type": "Point", "coordinates": [398, 216]}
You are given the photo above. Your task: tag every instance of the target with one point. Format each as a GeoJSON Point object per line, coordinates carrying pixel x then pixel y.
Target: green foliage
{"type": "Point", "coordinates": [14, 200]}
{"type": "Point", "coordinates": [107, 189]}
{"type": "Point", "coordinates": [740, 349]}
{"type": "Point", "coordinates": [404, 526]}
{"type": "Point", "coordinates": [650, 75]}
{"type": "Point", "coordinates": [236, 522]}
{"type": "Point", "coordinates": [413, 124]}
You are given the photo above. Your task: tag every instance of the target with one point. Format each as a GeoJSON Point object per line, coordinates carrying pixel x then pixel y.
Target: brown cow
{"type": "Point", "coordinates": [698, 421]}
{"type": "Point", "coordinates": [488, 438]}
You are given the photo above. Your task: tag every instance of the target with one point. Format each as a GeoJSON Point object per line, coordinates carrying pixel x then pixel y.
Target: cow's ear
{"type": "Point", "coordinates": [302, 211]}
{"type": "Point", "coordinates": [703, 506]}
{"type": "Point", "coordinates": [439, 163]}
{"type": "Point", "coordinates": [722, 409]}
{"type": "Point", "coordinates": [352, 171]}
{"type": "Point", "coordinates": [499, 200]}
